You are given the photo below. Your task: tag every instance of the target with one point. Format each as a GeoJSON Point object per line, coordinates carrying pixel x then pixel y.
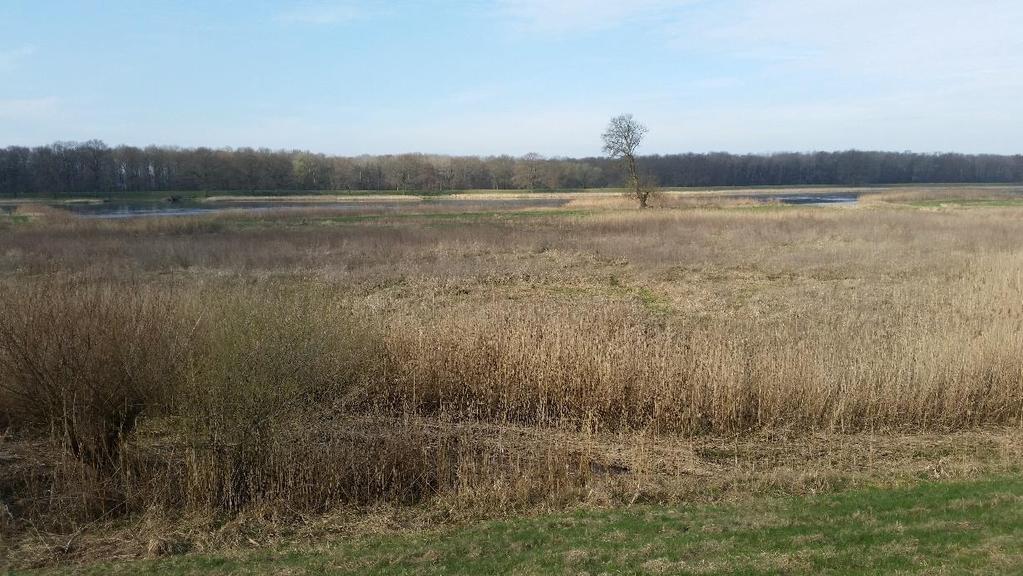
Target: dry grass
{"type": "Point", "coordinates": [295, 363]}
{"type": "Point", "coordinates": [945, 193]}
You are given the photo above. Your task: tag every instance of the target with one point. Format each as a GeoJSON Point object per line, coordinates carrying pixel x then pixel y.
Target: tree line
{"type": "Point", "coordinates": [69, 168]}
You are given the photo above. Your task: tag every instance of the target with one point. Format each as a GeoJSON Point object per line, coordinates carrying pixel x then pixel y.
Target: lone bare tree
{"type": "Point", "coordinates": [623, 136]}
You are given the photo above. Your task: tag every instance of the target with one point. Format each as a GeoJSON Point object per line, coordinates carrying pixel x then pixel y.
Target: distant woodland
{"type": "Point", "coordinates": [65, 169]}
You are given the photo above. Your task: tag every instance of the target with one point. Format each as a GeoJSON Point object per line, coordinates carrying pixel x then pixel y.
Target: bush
{"type": "Point", "coordinates": [86, 361]}
{"type": "Point", "coordinates": [265, 372]}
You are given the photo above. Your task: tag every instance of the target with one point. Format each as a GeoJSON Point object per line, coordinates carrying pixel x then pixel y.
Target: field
{"type": "Point", "coordinates": [206, 389]}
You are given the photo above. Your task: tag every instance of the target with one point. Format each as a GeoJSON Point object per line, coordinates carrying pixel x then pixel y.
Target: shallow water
{"type": "Point", "coordinates": [164, 208]}
{"type": "Point", "coordinates": [139, 209]}
{"type": "Point", "coordinates": [805, 200]}
{"type": "Point", "coordinates": [814, 198]}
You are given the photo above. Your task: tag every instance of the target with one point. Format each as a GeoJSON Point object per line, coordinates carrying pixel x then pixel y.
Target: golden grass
{"type": "Point", "coordinates": [303, 362]}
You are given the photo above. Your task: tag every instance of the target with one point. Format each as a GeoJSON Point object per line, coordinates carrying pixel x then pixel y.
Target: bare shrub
{"type": "Point", "coordinates": [268, 367]}
{"type": "Point", "coordinates": [86, 361]}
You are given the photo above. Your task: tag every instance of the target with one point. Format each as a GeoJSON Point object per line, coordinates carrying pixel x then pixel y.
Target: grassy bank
{"type": "Point", "coordinates": [971, 527]}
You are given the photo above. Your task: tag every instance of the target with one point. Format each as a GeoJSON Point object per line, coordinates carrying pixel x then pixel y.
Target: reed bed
{"type": "Point", "coordinates": [211, 366]}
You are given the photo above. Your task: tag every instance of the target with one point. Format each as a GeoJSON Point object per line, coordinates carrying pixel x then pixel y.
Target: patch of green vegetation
{"type": "Point", "coordinates": [653, 302]}
{"type": "Point", "coordinates": [618, 287]}
{"type": "Point", "coordinates": [14, 219]}
{"type": "Point", "coordinates": [973, 527]}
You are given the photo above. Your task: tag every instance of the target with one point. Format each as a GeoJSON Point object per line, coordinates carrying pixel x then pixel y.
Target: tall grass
{"type": "Point", "coordinates": [615, 368]}
{"type": "Point", "coordinates": [217, 369]}
{"type": "Point", "coordinates": [86, 361]}
{"type": "Point", "coordinates": [218, 400]}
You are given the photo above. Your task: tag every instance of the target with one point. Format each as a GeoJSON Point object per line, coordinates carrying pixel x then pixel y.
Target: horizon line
{"type": "Point", "coordinates": [229, 148]}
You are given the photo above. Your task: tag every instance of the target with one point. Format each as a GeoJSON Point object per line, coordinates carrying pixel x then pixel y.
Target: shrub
{"type": "Point", "coordinates": [85, 361]}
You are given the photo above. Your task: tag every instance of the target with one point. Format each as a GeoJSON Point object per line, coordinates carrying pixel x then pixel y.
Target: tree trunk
{"type": "Point", "coordinates": [634, 176]}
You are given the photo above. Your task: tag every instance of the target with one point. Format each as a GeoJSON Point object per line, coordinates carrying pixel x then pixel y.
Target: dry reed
{"type": "Point", "coordinates": [211, 367]}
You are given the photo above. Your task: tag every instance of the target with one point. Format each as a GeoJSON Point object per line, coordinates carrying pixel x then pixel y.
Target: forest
{"type": "Point", "coordinates": [71, 168]}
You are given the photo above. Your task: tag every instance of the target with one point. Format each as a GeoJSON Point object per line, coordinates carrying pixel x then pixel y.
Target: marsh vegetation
{"type": "Point", "coordinates": [168, 376]}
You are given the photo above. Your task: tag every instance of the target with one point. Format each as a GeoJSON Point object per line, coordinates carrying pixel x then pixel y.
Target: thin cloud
{"type": "Point", "coordinates": [570, 16]}
{"type": "Point", "coordinates": [10, 59]}
{"type": "Point", "coordinates": [906, 39]}
{"type": "Point", "coordinates": [27, 107]}
{"type": "Point", "coordinates": [323, 14]}
{"type": "Point", "coordinates": [899, 70]}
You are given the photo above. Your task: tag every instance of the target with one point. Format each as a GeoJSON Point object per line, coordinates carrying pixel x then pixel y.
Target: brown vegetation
{"type": "Point", "coordinates": [206, 367]}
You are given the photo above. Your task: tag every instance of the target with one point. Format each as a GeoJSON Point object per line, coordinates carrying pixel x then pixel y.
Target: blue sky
{"type": "Point", "coordinates": [514, 76]}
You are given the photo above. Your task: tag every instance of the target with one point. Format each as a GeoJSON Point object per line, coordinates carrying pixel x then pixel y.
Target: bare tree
{"type": "Point", "coordinates": [527, 171]}
{"type": "Point", "coordinates": [623, 136]}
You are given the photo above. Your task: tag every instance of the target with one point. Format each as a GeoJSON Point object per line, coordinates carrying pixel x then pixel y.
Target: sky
{"type": "Point", "coordinates": [515, 76]}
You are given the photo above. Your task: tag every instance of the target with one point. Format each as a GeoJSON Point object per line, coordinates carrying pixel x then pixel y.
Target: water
{"type": "Point", "coordinates": [796, 199]}
{"type": "Point", "coordinates": [113, 210]}
{"type": "Point", "coordinates": [141, 209]}
{"type": "Point", "coordinates": [813, 199]}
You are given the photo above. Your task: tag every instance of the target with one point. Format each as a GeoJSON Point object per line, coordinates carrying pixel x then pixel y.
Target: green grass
{"type": "Point", "coordinates": [13, 219]}
{"type": "Point", "coordinates": [973, 527]}
{"type": "Point", "coordinates": [653, 302]}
